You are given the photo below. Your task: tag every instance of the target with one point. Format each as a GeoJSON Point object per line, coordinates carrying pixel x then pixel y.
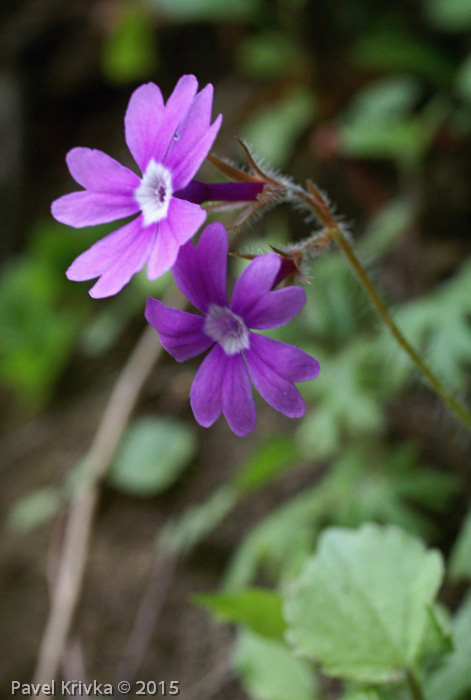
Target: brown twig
{"type": "Point", "coordinates": [82, 509]}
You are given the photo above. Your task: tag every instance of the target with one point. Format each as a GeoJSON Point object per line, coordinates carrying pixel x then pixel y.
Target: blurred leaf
{"type": "Point", "coordinates": [269, 55]}
{"type": "Point", "coordinates": [35, 508]}
{"type": "Point", "coordinates": [353, 408]}
{"type": "Point", "coordinates": [257, 609]}
{"type": "Point", "coordinates": [152, 456]}
{"type": "Point", "coordinates": [452, 680]}
{"type": "Point", "coordinates": [275, 129]}
{"type": "Point", "coordinates": [279, 544]}
{"type": "Point", "coordinates": [380, 122]}
{"type": "Point", "coordinates": [449, 15]}
{"type": "Point", "coordinates": [459, 566]}
{"type": "Point", "coordinates": [438, 325]}
{"type": "Point", "coordinates": [463, 80]}
{"type": "Point", "coordinates": [129, 49]}
{"type": "Point", "coordinates": [437, 636]}
{"type": "Point", "coordinates": [37, 334]}
{"type": "Point", "coordinates": [394, 219]}
{"type": "Point", "coordinates": [395, 49]}
{"type": "Point", "coordinates": [207, 10]}
{"type": "Point", "coordinates": [360, 605]}
{"type": "Point", "coordinates": [270, 671]}
{"type": "Point", "coordinates": [369, 481]}
{"type": "Point", "coordinates": [267, 461]}
{"type": "Point", "coordinates": [197, 522]}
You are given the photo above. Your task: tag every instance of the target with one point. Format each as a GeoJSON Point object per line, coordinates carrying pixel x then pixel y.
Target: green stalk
{"type": "Point", "coordinates": [316, 202]}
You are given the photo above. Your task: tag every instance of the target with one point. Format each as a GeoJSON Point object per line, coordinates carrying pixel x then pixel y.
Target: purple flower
{"type": "Point", "coordinates": [168, 142]}
{"type": "Point", "coordinates": [222, 383]}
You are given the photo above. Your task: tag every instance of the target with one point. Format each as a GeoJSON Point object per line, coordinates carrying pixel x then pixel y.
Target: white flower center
{"type": "Point", "coordinates": [227, 329]}
{"type": "Point", "coordinates": [154, 193]}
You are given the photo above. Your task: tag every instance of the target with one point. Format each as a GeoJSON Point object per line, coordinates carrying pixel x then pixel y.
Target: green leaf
{"type": "Point", "coordinates": [275, 129]}
{"type": "Point", "coordinates": [449, 15]}
{"type": "Point", "coordinates": [268, 461]}
{"type": "Point", "coordinates": [270, 671]}
{"type": "Point", "coordinates": [207, 10]}
{"type": "Point", "coordinates": [35, 508]}
{"type": "Point", "coordinates": [395, 49]}
{"type": "Point", "coordinates": [197, 522]}
{"type": "Point", "coordinates": [452, 680]}
{"type": "Point", "coordinates": [353, 408]}
{"type": "Point", "coordinates": [257, 609]}
{"type": "Point", "coordinates": [386, 227]}
{"type": "Point", "coordinates": [129, 50]}
{"type": "Point", "coordinates": [360, 606]}
{"type": "Point", "coordinates": [269, 55]}
{"type": "Point", "coordinates": [438, 325]}
{"type": "Point", "coordinates": [459, 566]}
{"type": "Point", "coordinates": [380, 122]}
{"type": "Point", "coordinates": [152, 456]}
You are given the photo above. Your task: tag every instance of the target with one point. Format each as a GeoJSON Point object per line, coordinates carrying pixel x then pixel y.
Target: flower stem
{"type": "Point", "coordinates": [317, 203]}
{"type": "Point", "coordinates": [414, 686]}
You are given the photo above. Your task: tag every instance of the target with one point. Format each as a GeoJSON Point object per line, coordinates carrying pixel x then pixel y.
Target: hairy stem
{"type": "Point", "coordinates": [317, 203]}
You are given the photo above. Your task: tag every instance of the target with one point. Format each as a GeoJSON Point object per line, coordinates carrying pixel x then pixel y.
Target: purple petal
{"type": "Point", "coordinates": [275, 389]}
{"type": "Point", "coordinates": [237, 399]}
{"type": "Point", "coordinates": [180, 332]}
{"type": "Point", "coordinates": [206, 390]}
{"type": "Point", "coordinates": [97, 172]}
{"type": "Point", "coordinates": [185, 169]}
{"type": "Point", "coordinates": [254, 283]}
{"type": "Point", "coordinates": [192, 127]}
{"type": "Point", "coordinates": [201, 272]}
{"type": "Point", "coordinates": [126, 262]}
{"type": "Point", "coordinates": [175, 111]}
{"type": "Point", "coordinates": [142, 123]}
{"type": "Point", "coordinates": [276, 308]}
{"type": "Point", "coordinates": [90, 208]}
{"type": "Point", "coordinates": [182, 222]}
{"type": "Point", "coordinates": [288, 361]}
{"type": "Point", "coordinates": [103, 254]}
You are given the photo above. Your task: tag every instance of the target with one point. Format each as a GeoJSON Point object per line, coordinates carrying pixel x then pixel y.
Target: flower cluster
{"type": "Point", "coordinates": [169, 141]}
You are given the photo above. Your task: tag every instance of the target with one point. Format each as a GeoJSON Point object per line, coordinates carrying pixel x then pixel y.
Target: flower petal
{"type": "Point", "coordinates": [190, 163]}
{"type": "Point", "coordinates": [98, 172]}
{"type": "Point", "coordinates": [180, 332]}
{"type": "Point", "coordinates": [142, 123]}
{"type": "Point", "coordinates": [192, 127]}
{"type": "Point", "coordinates": [175, 111]}
{"type": "Point", "coordinates": [201, 273]}
{"type": "Point", "coordinates": [254, 283]}
{"type": "Point", "coordinates": [103, 254]}
{"type": "Point", "coordinates": [237, 399]}
{"type": "Point", "coordinates": [126, 261]}
{"type": "Point", "coordinates": [274, 309]}
{"type": "Point", "coordinates": [277, 391]}
{"type": "Point", "coordinates": [182, 222]}
{"type": "Point", "coordinates": [206, 390]}
{"type": "Point", "coordinates": [86, 208]}
{"type": "Point", "coordinates": [288, 361]}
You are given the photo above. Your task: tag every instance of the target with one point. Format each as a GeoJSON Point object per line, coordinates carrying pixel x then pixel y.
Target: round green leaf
{"type": "Point", "coordinates": [153, 454]}
{"type": "Point", "coordinates": [360, 607]}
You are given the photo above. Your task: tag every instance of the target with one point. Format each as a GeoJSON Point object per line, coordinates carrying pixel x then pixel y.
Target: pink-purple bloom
{"type": "Point", "coordinates": [222, 383]}
{"type": "Point", "coordinates": [168, 141]}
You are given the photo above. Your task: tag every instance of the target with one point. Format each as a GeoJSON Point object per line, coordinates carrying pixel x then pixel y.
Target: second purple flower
{"type": "Point", "coordinates": [222, 383]}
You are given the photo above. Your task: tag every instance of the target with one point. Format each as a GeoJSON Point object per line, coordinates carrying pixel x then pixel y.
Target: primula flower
{"type": "Point", "coordinates": [222, 383]}
{"type": "Point", "coordinates": [168, 142]}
